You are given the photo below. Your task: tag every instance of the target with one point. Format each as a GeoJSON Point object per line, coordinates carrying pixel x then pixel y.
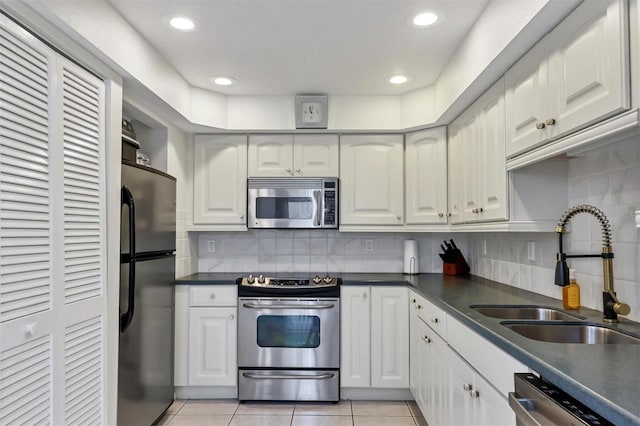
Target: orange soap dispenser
{"type": "Point", "coordinates": [571, 292]}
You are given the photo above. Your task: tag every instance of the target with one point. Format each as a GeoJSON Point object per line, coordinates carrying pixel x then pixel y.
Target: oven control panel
{"type": "Point", "coordinates": [316, 281]}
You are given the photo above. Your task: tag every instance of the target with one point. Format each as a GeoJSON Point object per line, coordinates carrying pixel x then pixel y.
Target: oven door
{"type": "Point", "coordinates": [288, 333]}
{"type": "Point", "coordinates": [284, 208]}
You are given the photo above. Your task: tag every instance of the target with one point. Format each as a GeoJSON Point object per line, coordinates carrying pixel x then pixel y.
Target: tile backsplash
{"type": "Point", "coordinates": [608, 178]}
{"type": "Point", "coordinates": [282, 251]}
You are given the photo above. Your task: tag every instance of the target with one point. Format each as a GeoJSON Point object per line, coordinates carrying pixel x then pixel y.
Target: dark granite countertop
{"type": "Point", "coordinates": [603, 377]}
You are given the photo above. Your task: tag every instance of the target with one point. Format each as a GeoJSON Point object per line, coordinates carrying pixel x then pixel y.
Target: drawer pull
{"type": "Point", "coordinates": [212, 296]}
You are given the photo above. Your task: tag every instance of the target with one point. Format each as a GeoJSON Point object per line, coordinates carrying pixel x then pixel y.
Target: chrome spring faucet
{"type": "Point", "coordinates": [611, 306]}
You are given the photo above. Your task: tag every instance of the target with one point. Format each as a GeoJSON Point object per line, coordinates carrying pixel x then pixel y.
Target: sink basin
{"type": "Point", "coordinates": [524, 312]}
{"type": "Point", "coordinates": [568, 332]}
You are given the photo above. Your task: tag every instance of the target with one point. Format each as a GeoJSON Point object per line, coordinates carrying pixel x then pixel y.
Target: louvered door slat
{"type": "Point", "coordinates": [83, 367]}
{"type": "Point", "coordinates": [25, 380]}
{"type": "Point", "coordinates": [82, 171]}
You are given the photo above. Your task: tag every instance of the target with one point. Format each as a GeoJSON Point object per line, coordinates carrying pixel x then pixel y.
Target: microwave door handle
{"type": "Point", "coordinates": [316, 195]}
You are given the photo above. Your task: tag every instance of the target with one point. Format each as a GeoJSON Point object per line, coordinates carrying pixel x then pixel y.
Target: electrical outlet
{"type": "Point", "coordinates": [211, 246]}
{"type": "Point", "coordinates": [531, 251]}
{"type": "Point", "coordinates": [368, 245]}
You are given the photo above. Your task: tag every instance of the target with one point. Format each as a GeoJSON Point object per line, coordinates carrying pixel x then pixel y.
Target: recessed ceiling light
{"type": "Point", "coordinates": [425, 19]}
{"type": "Point", "coordinates": [223, 81]}
{"type": "Point", "coordinates": [182, 23]}
{"type": "Point", "coordinates": [398, 79]}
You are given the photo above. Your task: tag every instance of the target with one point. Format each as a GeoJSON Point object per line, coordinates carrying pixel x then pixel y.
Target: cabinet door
{"type": "Point", "coordinates": [490, 407]}
{"type": "Point", "coordinates": [588, 70]}
{"type": "Point", "coordinates": [355, 345]}
{"type": "Point", "coordinates": [461, 380]}
{"type": "Point", "coordinates": [493, 176]}
{"type": "Point", "coordinates": [389, 337]}
{"type": "Point", "coordinates": [371, 173]}
{"type": "Point", "coordinates": [220, 179]}
{"type": "Point", "coordinates": [472, 167]}
{"type": "Point", "coordinates": [454, 170]}
{"type": "Point", "coordinates": [436, 377]}
{"type": "Point", "coordinates": [526, 101]}
{"type": "Point", "coordinates": [426, 176]}
{"type": "Point", "coordinates": [212, 346]}
{"type": "Point", "coordinates": [270, 155]}
{"type": "Point", "coordinates": [316, 155]}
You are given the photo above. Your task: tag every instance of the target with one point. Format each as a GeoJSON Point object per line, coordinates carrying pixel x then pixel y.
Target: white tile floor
{"type": "Point", "coordinates": [232, 413]}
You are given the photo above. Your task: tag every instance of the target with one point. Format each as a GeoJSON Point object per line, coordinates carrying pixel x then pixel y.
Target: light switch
{"type": "Point", "coordinates": [531, 251]}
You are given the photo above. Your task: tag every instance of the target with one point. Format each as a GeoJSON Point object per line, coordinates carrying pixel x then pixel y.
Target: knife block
{"type": "Point", "coordinates": [459, 267]}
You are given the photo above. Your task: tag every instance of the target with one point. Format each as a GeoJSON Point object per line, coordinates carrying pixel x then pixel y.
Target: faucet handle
{"type": "Point", "coordinates": [621, 308]}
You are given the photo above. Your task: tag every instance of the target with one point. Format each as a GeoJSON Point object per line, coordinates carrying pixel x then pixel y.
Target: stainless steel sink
{"type": "Point", "coordinates": [524, 312]}
{"type": "Point", "coordinates": [571, 332]}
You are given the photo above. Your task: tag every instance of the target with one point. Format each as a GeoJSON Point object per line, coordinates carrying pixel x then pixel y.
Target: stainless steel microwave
{"type": "Point", "coordinates": [292, 202]}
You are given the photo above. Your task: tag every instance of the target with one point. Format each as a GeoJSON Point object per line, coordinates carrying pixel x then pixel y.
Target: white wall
{"type": "Point", "coordinates": [316, 251]}
{"type": "Point", "coordinates": [608, 178]}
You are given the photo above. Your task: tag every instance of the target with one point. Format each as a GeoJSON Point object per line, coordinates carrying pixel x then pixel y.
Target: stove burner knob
{"type": "Point", "coordinates": [261, 279]}
{"type": "Point", "coordinates": [251, 279]}
{"type": "Point", "coordinates": [327, 279]}
{"type": "Point", "coordinates": [317, 279]}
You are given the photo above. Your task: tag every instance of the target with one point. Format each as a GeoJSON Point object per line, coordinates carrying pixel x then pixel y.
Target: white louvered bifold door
{"type": "Point", "coordinates": [52, 250]}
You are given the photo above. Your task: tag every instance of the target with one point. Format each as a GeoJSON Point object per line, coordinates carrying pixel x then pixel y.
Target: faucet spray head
{"type": "Point", "coordinates": [562, 270]}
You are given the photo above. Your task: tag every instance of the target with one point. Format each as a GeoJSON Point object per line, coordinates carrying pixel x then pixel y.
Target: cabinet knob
{"type": "Point", "coordinates": [434, 320]}
{"type": "Point", "coordinates": [550, 121]}
{"type": "Point", "coordinates": [364, 295]}
{"type": "Point", "coordinates": [480, 210]}
{"type": "Point", "coordinates": [540, 126]}
{"type": "Point", "coordinates": [426, 339]}
{"type": "Point", "coordinates": [440, 214]}
{"type": "Point", "coordinates": [30, 329]}
{"type": "Point", "coordinates": [419, 306]}
{"type": "Point", "coordinates": [474, 393]}
{"type": "Point", "coordinates": [474, 211]}
{"type": "Point", "coordinates": [288, 170]}
{"type": "Point", "coordinates": [413, 300]}
{"type": "Point", "coordinates": [298, 170]}
{"type": "Point", "coordinates": [399, 217]}
{"type": "Point", "coordinates": [231, 317]}
{"type": "Point", "coordinates": [241, 216]}
{"type": "Point", "coordinates": [212, 296]}
{"type": "Point", "coordinates": [467, 387]}
{"type": "Point", "coordinates": [449, 214]}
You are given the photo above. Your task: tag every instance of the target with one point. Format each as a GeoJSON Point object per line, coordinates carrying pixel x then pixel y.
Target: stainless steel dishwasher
{"type": "Point", "coordinates": [538, 403]}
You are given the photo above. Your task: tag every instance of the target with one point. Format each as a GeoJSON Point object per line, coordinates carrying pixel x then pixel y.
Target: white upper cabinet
{"type": "Point", "coordinates": [575, 76]}
{"type": "Point", "coordinates": [478, 177]}
{"type": "Point", "coordinates": [293, 155]}
{"type": "Point", "coordinates": [220, 180]}
{"type": "Point", "coordinates": [316, 155]}
{"type": "Point", "coordinates": [426, 177]}
{"type": "Point", "coordinates": [371, 180]}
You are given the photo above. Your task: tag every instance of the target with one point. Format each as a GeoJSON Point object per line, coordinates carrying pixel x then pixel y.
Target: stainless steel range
{"type": "Point", "coordinates": [289, 338]}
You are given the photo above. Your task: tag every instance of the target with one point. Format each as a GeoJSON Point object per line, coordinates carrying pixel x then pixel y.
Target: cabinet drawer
{"type": "Point", "coordinates": [212, 295]}
{"type": "Point", "coordinates": [494, 364]}
{"type": "Point", "coordinates": [433, 316]}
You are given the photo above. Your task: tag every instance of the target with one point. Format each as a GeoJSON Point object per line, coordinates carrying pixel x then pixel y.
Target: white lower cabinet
{"type": "Point", "coordinates": [212, 346]}
{"type": "Point", "coordinates": [472, 400]}
{"type": "Point", "coordinates": [375, 337]}
{"type": "Point", "coordinates": [206, 341]}
{"type": "Point", "coordinates": [450, 389]}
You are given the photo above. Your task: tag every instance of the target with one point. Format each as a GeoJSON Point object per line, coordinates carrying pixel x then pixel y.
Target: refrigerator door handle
{"type": "Point", "coordinates": [127, 316]}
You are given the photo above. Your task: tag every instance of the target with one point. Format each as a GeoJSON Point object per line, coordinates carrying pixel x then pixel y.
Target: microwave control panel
{"type": "Point", "coordinates": [330, 189]}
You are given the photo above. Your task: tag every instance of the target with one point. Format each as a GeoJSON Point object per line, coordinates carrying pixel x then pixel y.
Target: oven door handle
{"type": "Point", "coordinates": [326, 376]}
{"type": "Point", "coordinates": [260, 306]}
{"type": "Point", "coordinates": [521, 407]}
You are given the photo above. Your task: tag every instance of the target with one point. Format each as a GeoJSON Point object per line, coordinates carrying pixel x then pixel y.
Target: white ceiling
{"type": "Point", "coordinates": [286, 47]}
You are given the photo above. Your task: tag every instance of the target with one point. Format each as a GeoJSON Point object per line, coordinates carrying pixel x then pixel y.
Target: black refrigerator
{"type": "Point", "coordinates": [147, 272]}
